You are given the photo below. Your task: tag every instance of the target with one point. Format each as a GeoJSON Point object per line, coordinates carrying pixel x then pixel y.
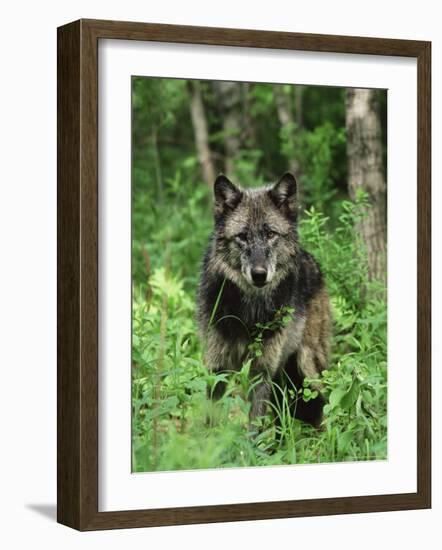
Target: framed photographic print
{"type": "Point", "coordinates": [243, 275]}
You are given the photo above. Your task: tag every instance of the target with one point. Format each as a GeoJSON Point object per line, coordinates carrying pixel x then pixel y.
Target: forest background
{"type": "Point", "coordinates": [335, 141]}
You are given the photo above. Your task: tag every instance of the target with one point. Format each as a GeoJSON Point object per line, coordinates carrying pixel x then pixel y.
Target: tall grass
{"type": "Point", "coordinates": [170, 382]}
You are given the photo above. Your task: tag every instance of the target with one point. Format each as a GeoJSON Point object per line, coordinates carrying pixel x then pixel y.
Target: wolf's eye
{"type": "Point", "coordinates": [271, 234]}
{"type": "Point", "coordinates": [242, 237]}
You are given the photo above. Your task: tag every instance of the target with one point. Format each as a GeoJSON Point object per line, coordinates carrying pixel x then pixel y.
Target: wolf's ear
{"type": "Point", "coordinates": [227, 195]}
{"type": "Point", "coordinates": [284, 195]}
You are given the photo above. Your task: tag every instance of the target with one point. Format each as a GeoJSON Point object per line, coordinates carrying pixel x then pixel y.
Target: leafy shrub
{"type": "Point", "coordinates": [316, 151]}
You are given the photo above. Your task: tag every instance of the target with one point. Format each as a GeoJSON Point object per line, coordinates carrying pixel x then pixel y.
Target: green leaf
{"type": "Point", "coordinates": [367, 396]}
{"type": "Point", "coordinates": [335, 397]}
{"type": "Point", "coordinates": [344, 440]}
{"type": "Point", "coordinates": [349, 399]}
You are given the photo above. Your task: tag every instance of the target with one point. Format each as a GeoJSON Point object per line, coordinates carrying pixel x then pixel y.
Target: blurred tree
{"type": "Point", "coordinates": [229, 100]}
{"type": "Point", "coordinates": [200, 128]}
{"type": "Point", "coordinates": [249, 136]}
{"type": "Point", "coordinates": [365, 171]}
{"type": "Point", "coordinates": [284, 106]}
{"type": "Point", "coordinates": [299, 115]}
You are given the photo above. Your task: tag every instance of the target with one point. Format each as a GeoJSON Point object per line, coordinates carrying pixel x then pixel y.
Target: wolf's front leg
{"type": "Point", "coordinates": [260, 396]}
{"type": "Point", "coordinates": [266, 366]}
{"type": "Point", "coordinates": [222, 357]}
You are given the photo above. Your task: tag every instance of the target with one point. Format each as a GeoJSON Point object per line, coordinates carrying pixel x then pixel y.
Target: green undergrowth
{"type": "Point", "coordinates": [175, 426]}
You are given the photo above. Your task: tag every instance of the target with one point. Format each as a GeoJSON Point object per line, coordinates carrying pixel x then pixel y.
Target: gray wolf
{"type": "Point", "coordinates": [253, 267]}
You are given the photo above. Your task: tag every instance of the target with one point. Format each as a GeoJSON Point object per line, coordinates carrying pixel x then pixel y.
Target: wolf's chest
{"type": "Point", "coordinates": [242, 318]}
{"type": "Point", "coordinates": [275, 346]}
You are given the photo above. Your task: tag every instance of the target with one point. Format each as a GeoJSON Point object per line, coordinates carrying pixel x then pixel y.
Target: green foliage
{"type": "Point", "coordinates": [245, 168]}
{"type": "Point", "coordinates": [316, 152]}
{"type": "Point", "coordinates": [174, 424]}
{"type": "Point", "coordinates": [148, 110]}
{"type": "Point", "coordinates": [184, 234]}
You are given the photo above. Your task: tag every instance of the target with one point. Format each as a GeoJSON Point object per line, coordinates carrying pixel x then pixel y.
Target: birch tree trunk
{"type": "Point", "coordinates": [365, 170]}
{"type": "Point", "coordinates": [201, 133]}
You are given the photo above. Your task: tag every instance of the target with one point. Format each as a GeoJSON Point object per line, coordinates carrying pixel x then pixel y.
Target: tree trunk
{"type": "Point", "coordinates": [229, 97]}
{"type": "Point", "coordinates": [283, 102]}
{"type": "Point", "coordinates": [290, 123]}
{"type": "Point", "coordinates": [365, 171]}
{"type": "Point", "coordinates": [298, 107]}
{"type": "Point", "coordinates": [201, 133]}
{"type": "Point", "coordinates": [248, 134]}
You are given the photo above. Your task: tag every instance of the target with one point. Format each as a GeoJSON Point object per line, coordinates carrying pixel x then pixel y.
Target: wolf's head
{"type": "Point", "coordinates": [255, 232]}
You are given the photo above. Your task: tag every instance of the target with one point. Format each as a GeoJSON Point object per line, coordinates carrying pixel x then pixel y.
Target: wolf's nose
{"type": "Point", "coordinates": [259, 276]}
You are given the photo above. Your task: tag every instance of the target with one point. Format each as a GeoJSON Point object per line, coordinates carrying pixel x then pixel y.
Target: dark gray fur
{"type": "Point", "coordinates": [255, 249]}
